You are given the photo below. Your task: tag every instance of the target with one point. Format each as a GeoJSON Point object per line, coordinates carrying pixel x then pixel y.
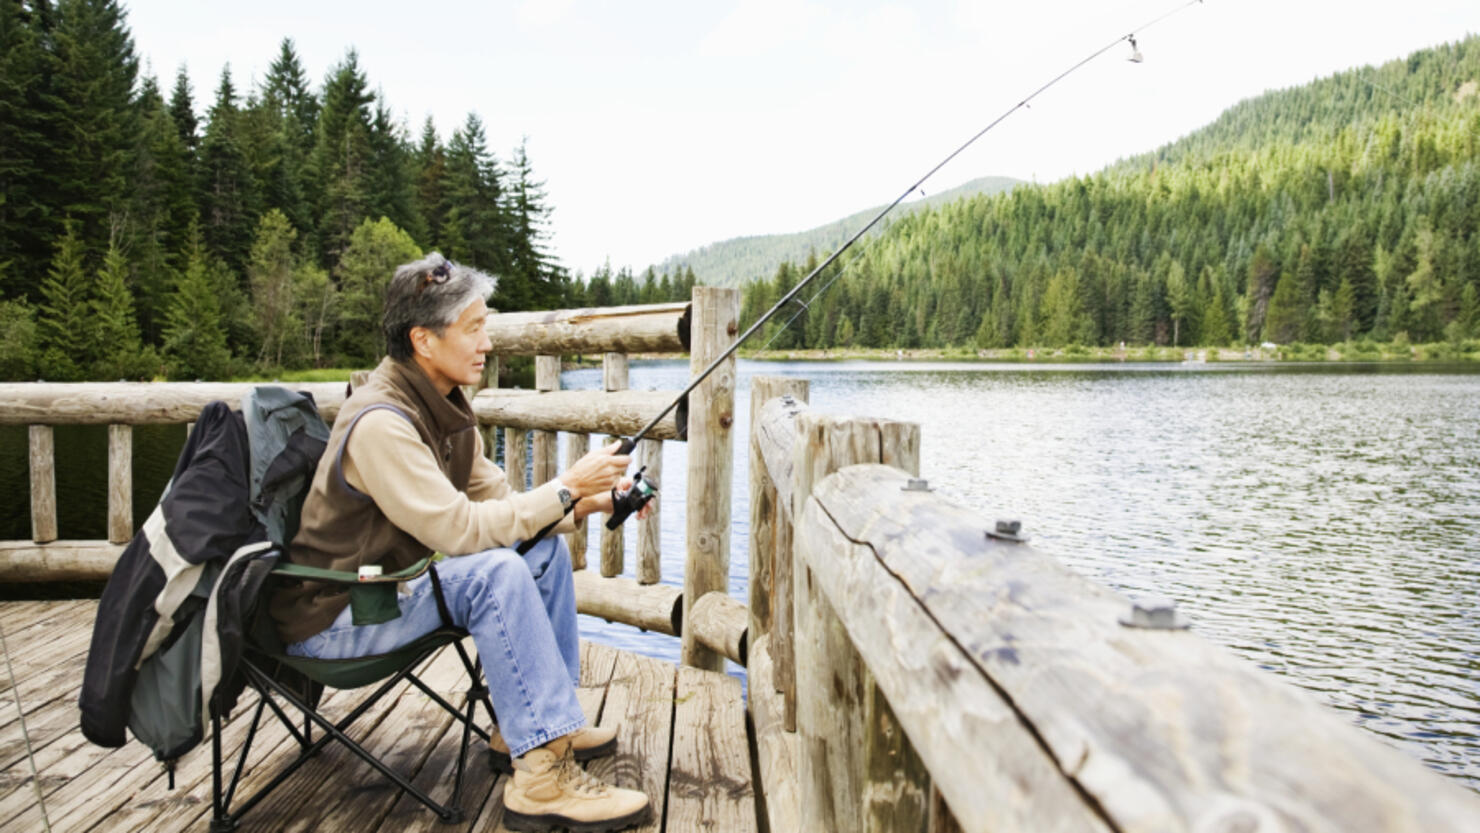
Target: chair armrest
{"type": "Point", "coordinates": [300, 571]}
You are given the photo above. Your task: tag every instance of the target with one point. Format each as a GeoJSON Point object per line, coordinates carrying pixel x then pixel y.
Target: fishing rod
{"type": "Point", "coordinates": [634, 498]}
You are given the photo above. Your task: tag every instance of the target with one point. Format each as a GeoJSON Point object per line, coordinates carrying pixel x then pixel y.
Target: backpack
{"type": "Point", "coordinates": [171, 622]}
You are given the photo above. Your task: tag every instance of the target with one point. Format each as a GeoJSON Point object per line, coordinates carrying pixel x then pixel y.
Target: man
{"type": "Point", "coordinates": [404, 475]}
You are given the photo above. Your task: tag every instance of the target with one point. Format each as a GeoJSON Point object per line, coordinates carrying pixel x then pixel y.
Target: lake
{"type": "Point", "coordinates": [1321, 521]}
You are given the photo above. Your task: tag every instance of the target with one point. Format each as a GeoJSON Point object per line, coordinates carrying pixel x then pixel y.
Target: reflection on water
{"type": "Point", "coordinates": [1322, 522]}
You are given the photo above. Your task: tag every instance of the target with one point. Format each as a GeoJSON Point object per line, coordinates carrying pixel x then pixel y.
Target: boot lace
{"type": "Point", "coordinates": [579, 780]}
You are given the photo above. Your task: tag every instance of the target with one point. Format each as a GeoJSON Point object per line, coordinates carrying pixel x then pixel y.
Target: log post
{"type": "Point", "coordinates": [546, 443]}
{"type": "Point", "coordinates": [613, 378]}
{"type": "Point", "coordinates": [489, 432]}
{"type": "Point", "coordinates": [576, 447]}
{"type": "Point", "coordinates": [43, 485]}
{"type": "Point", "coordinates": [853, 770]}
{"type": "Point", "coordinates": [120, 483]}
{"type": "Point", "coordinates": [650, 529]}
{"type": "Point", "coordinates": [770, 534]}
{"type": "Point", "coordinates": [514, 450]}
{"type": "Point", "coordinates": [711, 459]}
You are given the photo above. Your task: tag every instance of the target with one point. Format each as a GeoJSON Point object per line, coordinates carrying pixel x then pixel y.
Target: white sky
{"type": "Point", "coordinates": [662, 126]}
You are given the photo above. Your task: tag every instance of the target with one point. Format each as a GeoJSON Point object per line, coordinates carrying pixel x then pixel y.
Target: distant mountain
{"type": "Point", "coordinates": [740, 260]}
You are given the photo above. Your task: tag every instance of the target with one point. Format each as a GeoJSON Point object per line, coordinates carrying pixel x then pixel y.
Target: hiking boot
{"type": "Point", "coordinates": [550, 790]}
{"type": "Point", "coordinates": [587, 742]}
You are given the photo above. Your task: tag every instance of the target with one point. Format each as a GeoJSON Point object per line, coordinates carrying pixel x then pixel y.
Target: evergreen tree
{"type": "Point", "coordinates": [291, 112]}
{"type": "Point", "coordinates": [1215, 318]}
{"type": "Point", "coordinates": [392, 187]}
{"type": "Point", "coordinates": [63, 327]}
{"type": "Point", "coordinates": [430, 162]}
{"type": "Point", "coordinates": [26, 222]}
{"type": "Point", "coordinates": [475, 227]}
{"type": "Point", "coordinates": [195, 334]}
{"type": "Point", "coordinates": [226, 189]}
{"type": "Point", "coordinates": [1284, 320]}
{"type": "Point", "coordinates": [119, 353]}
{"type": "Point", "coordinates": [164, 202]}
{"type": "Point", "coordinates": [340, 185]}
{"type": "Point", "coordinates": [1181, 299]}
{"type": "Point", "coordinates": [529, 213]}
{"type": "Point", "coordinates": [182, 112]}
{"type": "Point", "coordinates": [93, 100]}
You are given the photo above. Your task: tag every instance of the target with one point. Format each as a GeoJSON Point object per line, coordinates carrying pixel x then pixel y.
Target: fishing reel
{"type": "Point", "coordinates": [632, 500]}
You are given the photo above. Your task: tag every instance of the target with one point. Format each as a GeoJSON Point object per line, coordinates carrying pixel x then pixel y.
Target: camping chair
{"type": "Point", "coordinates": [299, 680]}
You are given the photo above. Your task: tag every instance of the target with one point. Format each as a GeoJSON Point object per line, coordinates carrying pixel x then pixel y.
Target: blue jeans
{"type": "Point", "coordinates": [521, 612]}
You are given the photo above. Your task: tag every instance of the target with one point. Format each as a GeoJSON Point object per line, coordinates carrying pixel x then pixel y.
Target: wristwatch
{"type": "Point", "coordinates": [566, 501]}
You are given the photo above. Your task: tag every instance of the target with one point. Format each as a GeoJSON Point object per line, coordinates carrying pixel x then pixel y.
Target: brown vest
{"type": "Point", "coordinates": [342, 528]}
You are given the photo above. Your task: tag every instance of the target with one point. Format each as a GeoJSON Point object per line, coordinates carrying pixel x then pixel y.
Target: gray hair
{"type": "Point", "coordinates": [432, 293]}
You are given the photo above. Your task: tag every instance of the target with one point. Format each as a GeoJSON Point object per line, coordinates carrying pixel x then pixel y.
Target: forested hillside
{"type": "Point", "coordinates": [1345, 209]}
{"type": "Point", "coordinates": [740, 260]}
{"type": "Point", "coordinates": [143, 233]}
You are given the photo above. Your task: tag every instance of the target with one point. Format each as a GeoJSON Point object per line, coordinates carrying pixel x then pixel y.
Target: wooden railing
{"type": "Point", "coordinates": [709, 324]}
{"type": "Point", "coordinates": [940, 674]}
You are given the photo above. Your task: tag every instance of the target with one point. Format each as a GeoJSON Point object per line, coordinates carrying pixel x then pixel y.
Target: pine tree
{"type": "Point", "coordinates": [195, 335]}
{"type": "Point", "coordinates": [63, 327]}
{"type": "Point", "coordinates": [182, 112]}
{"type": "Point", "coordinates": [430, 162]}
{"type": "Point", "coordinates": [475, 227]}
{"type": "Point", "coordinates": [1284, 321]}
{"type": "Point", "coordinates": [93, 98]}
{"type": "Point", "coordinates": [26, 122]}
{"type": "Point", "coordinates": [339, 186]}
{"type": "Point", "coordinates": [226, 188]}
{"type": "Point", "coordinates": [117, 348]}
{"type": "Point", "coordinates": [1181, 299]}
{"type": "Point", "coordinates": [529, 213]}
{"type": "Point", "coordinates": [1216, 329]}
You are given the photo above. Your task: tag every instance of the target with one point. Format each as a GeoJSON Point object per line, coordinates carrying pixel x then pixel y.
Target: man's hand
{"type": "Point", "coordinates": [594, 475]}
{"type": "Point", "coordinates": [603, 502]}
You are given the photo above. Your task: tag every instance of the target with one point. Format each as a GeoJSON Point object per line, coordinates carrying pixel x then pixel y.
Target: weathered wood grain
{"type": "Point", "coordinates": [43, 484]}
{"type": "Point", "coordinates": [721, 624]}
{"type": "Point", "coordinates": [516, 453]}
{"type": "Point", "coordinates": [614, 373]}
{"type": "Point", "coordinates": [848, 753]}
{"type": "Point", "coordinates": [763, 518]}
{"type": "Point", "coordinates": [709, 781]}
{"type": "Point", "coordinates": [650, 529]}
{"type": "Point", "coordinates": [546, 443]}
{"type": "Point", "coordinates": [650, 328]}
{"type": "Point", "coordinates": [1158, 730]}
{"type": "Point", "coordinates": [773, 438]}
{"type": "Point", "coordinates": [137, 403]}
{"type": "Point", "coordinates": [652, 607]}
{"type": "Point", "coordinates": [584, 411]}
{"type": "Point", "coordinates": [711, 458]}
{"type": "Point", "coordinates": [776, 748]}
{"type": "Point", "coordinates": [639, 688]}
{"type": "Point", "coordinates": [23, 561]}
{"type": "Point", "coordinates": [576, 447]}
{"type": "Point", "coordinates": [120, 483]}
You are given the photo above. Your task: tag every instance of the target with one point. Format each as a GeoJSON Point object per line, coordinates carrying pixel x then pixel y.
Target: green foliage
{"type": "Point", "coordinates": [375, 250]}
{"type": "Point", "coordinates": [195, 335]}
{"type": "Point", "coordinates": [119, 352]}
{"type": "Point", "coordinates": [17, 340]}
{"type": "Point", "coordinates": [255, 203]}
{"type": "Point", "coordinates": [1302, 214]}
{"type": "Point", "coordinates": [63, 323]}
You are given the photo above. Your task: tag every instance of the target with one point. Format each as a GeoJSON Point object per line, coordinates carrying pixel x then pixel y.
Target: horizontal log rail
{"type": "Point", "coordinates": [1035, 708]}
{"type": "Point", "coordinates": [138, 403]}
{"type": "Point", "coordinates": [650, 328]}
{"type": "Point", "coordinates": [620, 412]}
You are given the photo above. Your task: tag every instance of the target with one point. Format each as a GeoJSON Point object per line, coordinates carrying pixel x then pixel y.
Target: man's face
{"type": "Point", "coordinates": [456, 356]}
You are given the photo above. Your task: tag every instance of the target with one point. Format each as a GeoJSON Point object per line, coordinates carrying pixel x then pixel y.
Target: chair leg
{"type": "Point", "coordinates": [220, 822]}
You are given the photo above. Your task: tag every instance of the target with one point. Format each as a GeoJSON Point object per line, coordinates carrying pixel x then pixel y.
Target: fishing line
{"type": "Point", "coordinates": [20, 712]}
{"type": "Point", "coordinates": [628, 444]}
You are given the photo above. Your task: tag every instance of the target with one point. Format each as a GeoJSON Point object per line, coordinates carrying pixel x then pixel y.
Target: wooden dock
{"type": "Point", "coordinates": [682, 740]}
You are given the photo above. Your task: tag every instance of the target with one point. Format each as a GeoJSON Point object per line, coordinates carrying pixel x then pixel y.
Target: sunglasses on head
{"type": "Point", "coordinates": [438, 275]}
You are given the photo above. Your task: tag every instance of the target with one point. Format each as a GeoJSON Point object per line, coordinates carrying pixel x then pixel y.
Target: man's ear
{"type": "Point", "coordinates": [421, 341]}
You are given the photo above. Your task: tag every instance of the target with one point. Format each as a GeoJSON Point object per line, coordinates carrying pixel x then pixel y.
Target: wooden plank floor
{"type": "Point", "coordinates": [681, 739]}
